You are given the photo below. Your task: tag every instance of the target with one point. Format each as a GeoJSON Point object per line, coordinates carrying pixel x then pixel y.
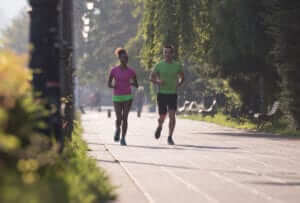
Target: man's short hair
{"type": "Point", "coordinates": [169, 46]}
{"type": "Point", "coordinates": [119, 51]}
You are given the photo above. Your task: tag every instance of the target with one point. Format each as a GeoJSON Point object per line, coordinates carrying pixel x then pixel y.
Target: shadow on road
{"type": "Point", "coordinates": [252, 134]}
{"type": "Point", "coordinates": [205, 147]}
{"type": "Point", "coordinates": [149, 164]}
{"type": "Point", "coordinates": [176, 147]}
{"type": "Point", "coordinates": [150, 147]}
{"type": "Point", "coordinates": [297, 184]}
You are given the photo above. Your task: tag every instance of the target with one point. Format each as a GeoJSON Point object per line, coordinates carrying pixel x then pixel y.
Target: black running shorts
{"type": "Point", "coordinates": [166, 102]}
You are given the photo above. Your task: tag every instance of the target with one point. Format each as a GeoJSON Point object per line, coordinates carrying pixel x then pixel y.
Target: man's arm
{"type": "Point", "coordinates": [180, 78]}
{"type": "Point", "coordinates": [154, 78]}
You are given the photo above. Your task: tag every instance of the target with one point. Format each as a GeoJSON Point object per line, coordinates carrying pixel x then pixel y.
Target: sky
{"type": "Point", "coordinates": [9, 9]}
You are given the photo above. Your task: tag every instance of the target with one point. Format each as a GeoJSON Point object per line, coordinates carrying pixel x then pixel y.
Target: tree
{"type": "Point", "coordinates": [109, 24]}
{"type": "Point", "coordinates": [177, 22]}
{"type": "Point", "coordinates": [285, 29]}
{"type": "Point", "coordinates": [183, 24]}
{"type": "Point", "coordinates": [239, 45]}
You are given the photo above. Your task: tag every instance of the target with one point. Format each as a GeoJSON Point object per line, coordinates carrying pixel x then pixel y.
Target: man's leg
{"type": "Point", "coordinates": [172, 123]}
{"type": "Point", "coordinates": [172, 107]}
{"type": "Point", "coordinates": [162, 110]}
{"type": "Point", "coordinates": [160, 120]}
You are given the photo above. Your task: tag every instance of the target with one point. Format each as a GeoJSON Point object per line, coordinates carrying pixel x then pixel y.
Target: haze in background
{"type": "Point", "coordinates": [9, 9]}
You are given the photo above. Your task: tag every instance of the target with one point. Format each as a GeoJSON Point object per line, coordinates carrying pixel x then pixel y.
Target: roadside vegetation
{"type": "Point", "coordinates": [279, 126]}
{"type": "Point", "coordinates": [31, 168]}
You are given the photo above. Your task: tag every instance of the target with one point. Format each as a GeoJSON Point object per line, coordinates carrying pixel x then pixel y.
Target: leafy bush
{"type": "Point", "coordinates": [31, 169]}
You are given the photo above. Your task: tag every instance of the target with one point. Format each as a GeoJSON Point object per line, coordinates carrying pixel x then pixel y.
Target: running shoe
{"type": "Point", "coordinates": [158, 132]}
{"type": "Point", "coordinates": [170, 140]}
{"type": "Point", "coordinates": [123, 142]}
{"type": "Point", "coordinates": [117, 135]}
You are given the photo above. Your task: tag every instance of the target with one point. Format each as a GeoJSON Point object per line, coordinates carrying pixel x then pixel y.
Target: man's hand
{"type": "Point", "coordinates": [180, 79]}
{"type": "Point", "coordinates": [159, 82]}
{"type": "Point", "coordinates": [154, 77]}
{"type": "Point", "coordinates": [179, 84]}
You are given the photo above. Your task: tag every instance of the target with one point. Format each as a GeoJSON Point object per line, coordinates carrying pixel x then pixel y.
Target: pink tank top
{"type": "Point", "coordinates": [122, 80]}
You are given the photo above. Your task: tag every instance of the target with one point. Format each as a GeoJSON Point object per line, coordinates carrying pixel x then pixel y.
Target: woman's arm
{"type": "Point", "coordinates": [135, 82]}
{"type": "Point", "coordinates": [110, 79]}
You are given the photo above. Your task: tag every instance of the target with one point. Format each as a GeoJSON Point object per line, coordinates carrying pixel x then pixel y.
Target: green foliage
{"type": "Point", "coordinates": [31, 170]}
{"type": "Point", "coordinates": [224, 120]}
{"type": "Point", "coordinates": [72, 177]}
{"type": "Point", "coordinates": [284, 28]}
{"type": "Point", "coordinates": [249, 45]}
{"type": "Point", "coordinates": [112, 27]}
{"type": "Point", "coordinates": [239, 49]}
{"type": "Point", "coordinates": [279, 125]}
{"type": "Point", "coordinates": [177, 22]}
{"type": "Point", "coordinates": [85, 180]}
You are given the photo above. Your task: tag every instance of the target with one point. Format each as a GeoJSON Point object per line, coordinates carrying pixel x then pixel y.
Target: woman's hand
{"type": "Point", "coordinates": [134, 82]}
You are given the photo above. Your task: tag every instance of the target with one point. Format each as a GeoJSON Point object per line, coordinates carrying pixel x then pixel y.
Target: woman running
{"type": "Point", "coordinates": [124, 77]}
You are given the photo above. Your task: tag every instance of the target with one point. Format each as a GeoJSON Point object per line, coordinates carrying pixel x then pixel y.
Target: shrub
{"type": "Point", "coordinates": [31, 169]}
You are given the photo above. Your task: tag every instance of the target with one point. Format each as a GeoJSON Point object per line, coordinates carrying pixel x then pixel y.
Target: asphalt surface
{"type": "Point", "coordinates": [209, 163]}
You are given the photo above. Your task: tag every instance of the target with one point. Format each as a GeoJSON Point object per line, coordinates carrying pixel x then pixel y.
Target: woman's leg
{"type": "Point", "coordinates": [126, 108]}
{"type": "Point", "coordinates": [118, 111]}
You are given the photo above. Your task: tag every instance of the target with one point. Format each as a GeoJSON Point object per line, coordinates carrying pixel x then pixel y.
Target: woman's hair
{"type": "Point", "coordinates": [119, 51]}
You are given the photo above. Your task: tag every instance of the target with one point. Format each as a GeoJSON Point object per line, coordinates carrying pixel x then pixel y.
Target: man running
{"type": "Point", "coordinates": [124, 77]}
{"type": "Point", "coordinates": [168, 75]}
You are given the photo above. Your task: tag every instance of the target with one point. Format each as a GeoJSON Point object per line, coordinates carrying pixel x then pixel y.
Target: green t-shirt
{"type": "Point", "coordinates": [168, 72]}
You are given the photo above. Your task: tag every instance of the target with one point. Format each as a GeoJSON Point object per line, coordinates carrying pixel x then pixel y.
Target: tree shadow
{"type": "Point", "coordinates": [95, 143]}
{"type": "Point", "coordinates": [206, 147]}
{"type": "Point", "coordinates": [148, 164]}
{"type": "Point", "coordinates": [252, 134]}
{"type": "Point", "coordinates": [150, 147]}
{"type": "Point", "coordinates": [294, 184]}
{"type": "Point", "coordinates": [174, 147]}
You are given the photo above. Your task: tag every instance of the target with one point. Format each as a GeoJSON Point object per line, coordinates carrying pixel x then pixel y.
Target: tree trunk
{"type": "Point", "coordinates": [45, 53]}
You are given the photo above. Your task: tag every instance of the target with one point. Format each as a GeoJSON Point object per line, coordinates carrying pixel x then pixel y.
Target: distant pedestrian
{"type": "Point", "coordinates": [168, 75]}
{"type": "Point", "coordinates": [121, 78]}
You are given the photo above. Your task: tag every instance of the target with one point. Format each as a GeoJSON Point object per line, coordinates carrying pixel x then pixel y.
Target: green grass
{"type": "Point", "coordinates": [223, 120]}
{"type": "Point", "coordinates": [279, 127]}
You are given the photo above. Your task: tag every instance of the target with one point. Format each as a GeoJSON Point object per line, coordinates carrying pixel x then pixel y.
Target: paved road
{"type": "Point", "coordinates": [209, 163]}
